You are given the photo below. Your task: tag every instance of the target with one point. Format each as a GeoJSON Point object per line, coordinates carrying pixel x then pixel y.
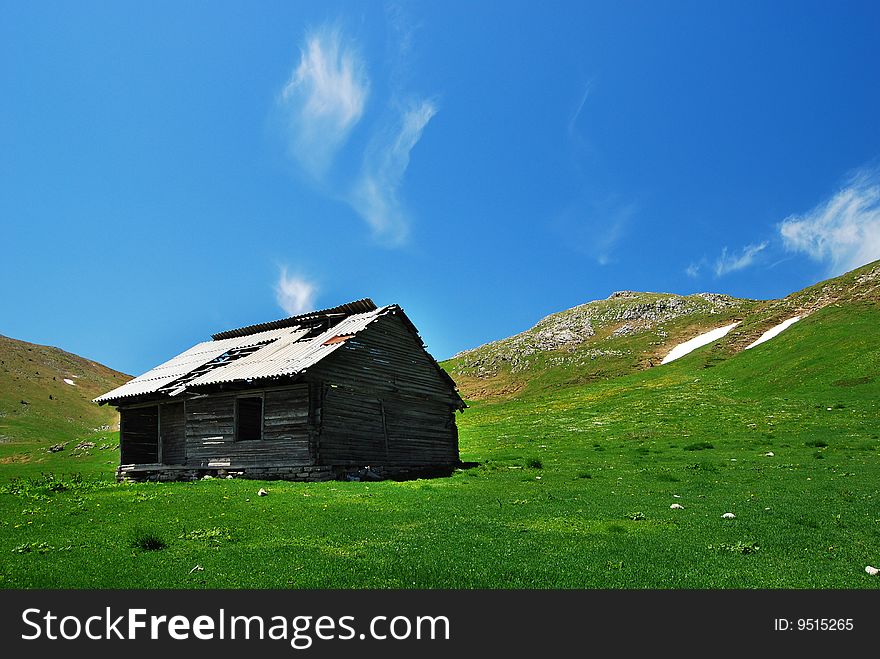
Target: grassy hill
{"type": "Point", "coordinates": [45, 399]}
{"type": "Point", "coordinates": [574, 486]}
{"type": "Point", "coordinates": [631, 331]}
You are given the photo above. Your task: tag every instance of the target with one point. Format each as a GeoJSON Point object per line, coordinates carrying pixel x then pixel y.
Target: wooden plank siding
{"type": "Point", "coordinates": [427, 431]}
{"type": "Point", "coordinates": [172, 434]}
{"type": "Point", "coordinates": [352, 429]}
{"type": "Point", "coordinates": [385, 402]}
{"type": "Point", "coordinates": [139, 435]}
{"type": "Point", "coordinates": [210, 429]}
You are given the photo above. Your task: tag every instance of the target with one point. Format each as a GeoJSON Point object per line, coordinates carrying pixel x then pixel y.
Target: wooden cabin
{"type": "Point", "coordinates": [345, 392]}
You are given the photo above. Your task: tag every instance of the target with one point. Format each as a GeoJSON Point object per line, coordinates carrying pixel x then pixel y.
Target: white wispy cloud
{"type": "Point", "coordinates": [727, 262]}
{"type": "Point", "coordinates": [376, 194]}
{"type": "Point", "coordinates": [294, 293]}
{"type": "Point", "coordinates": [323, 99]}
{"type": "Point", "coordinates": [693, 270]}
{"type": "Point", "coordinates": [596, 220]}
{"type": "Point", "coordinates": [844, 231]}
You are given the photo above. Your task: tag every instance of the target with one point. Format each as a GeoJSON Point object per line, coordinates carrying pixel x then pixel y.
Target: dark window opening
{"type": "Point", "coordinates": [248, 418]}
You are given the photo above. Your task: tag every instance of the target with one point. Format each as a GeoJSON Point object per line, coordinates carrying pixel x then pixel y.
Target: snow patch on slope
{"type": "Point", "coordinates": [697, 342]}
{"type": "Point", "coordinates": [773, 331]}
{"type": "Point", "coordinates": [69, 381]}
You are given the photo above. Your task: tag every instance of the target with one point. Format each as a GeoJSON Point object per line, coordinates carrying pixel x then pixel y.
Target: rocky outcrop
{"type": "Point", "coordinates": [623, 313]}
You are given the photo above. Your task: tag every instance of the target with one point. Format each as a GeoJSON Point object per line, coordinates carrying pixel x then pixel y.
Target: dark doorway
{"type": "Point", "coordinates": [139, 435]}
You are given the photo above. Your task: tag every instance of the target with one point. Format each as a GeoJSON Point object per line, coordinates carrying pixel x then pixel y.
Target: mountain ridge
{"type": "Point", "coordinates": [630, 331]}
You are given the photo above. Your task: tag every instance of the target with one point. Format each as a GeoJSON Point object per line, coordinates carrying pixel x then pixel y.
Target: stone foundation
{"type": "Point", "coordinates": [302, 473]}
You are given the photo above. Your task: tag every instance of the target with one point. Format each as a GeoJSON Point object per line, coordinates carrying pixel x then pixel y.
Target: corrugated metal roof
{"type": "Point", "coordinates": [287, 352]}
{"type": "Point", "coordinates": [136, 387]}
{"type": "Point", "coordinates": [188, 361]}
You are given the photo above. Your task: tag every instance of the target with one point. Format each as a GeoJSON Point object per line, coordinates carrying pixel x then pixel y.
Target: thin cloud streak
{"type": "Point", "coordinates": [617, 223]}
{"type": "Point", "coordinates": [844, 231]}
{"type": "Point", "coordinates": [376, 195]}
{"type": "Point", "coordinates": [727, 263]}
{"type": "Point", "coordinates": [294, 293]}
{"type": "Point", "coordinates": [596, 228]}
{"type": "Point", "coordinates": [324, 99]}
{"type": "Point", "coordinates": [572, 122]}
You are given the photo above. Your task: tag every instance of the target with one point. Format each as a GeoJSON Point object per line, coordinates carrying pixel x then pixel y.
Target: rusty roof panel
{"type": "Point", "coordinates": [288, 356]}
{"type": "Point", "coordinates": [338, 339]}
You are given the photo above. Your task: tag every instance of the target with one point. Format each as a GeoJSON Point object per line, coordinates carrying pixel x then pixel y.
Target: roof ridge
{"type": "Point", "coordinates": [341, 311]}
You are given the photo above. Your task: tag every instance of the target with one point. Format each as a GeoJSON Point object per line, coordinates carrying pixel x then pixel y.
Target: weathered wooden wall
{"type": "Point", "coordinates": [139, 435]}
{"type": "Point", "coordinates": [286, 417]}
{"type": "Point", "coordinates": [426, 430]}
{"type": "Point", "coordinates": [210, 430]}
{"type": "Point", "coordinates": [384, 402]}
{"type": "Point", "coordinates": [172, 433]}
{"type": "Point", "coordinates": [351, 432]}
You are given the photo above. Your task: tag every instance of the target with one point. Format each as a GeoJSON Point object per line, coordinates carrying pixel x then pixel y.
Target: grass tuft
{"type": "Point", "coordinates": [147, 540]}
{"type": "Point", "coordinates": [698, 446]}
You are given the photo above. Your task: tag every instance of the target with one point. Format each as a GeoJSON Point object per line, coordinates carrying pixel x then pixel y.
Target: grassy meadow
{"type": "Point", "coordinates": [573, 490]}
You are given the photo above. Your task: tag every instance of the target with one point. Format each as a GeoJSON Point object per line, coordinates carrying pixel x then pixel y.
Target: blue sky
{"type": "Point", "coordinates": [169, 170]}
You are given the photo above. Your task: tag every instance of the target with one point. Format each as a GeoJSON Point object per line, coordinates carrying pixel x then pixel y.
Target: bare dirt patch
{"type": "Point", "coordinates": [18, 458]}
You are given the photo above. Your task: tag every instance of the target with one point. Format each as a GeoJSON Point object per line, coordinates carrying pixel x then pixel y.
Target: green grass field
{"type": "Point", "coordinates": [573, 490]}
